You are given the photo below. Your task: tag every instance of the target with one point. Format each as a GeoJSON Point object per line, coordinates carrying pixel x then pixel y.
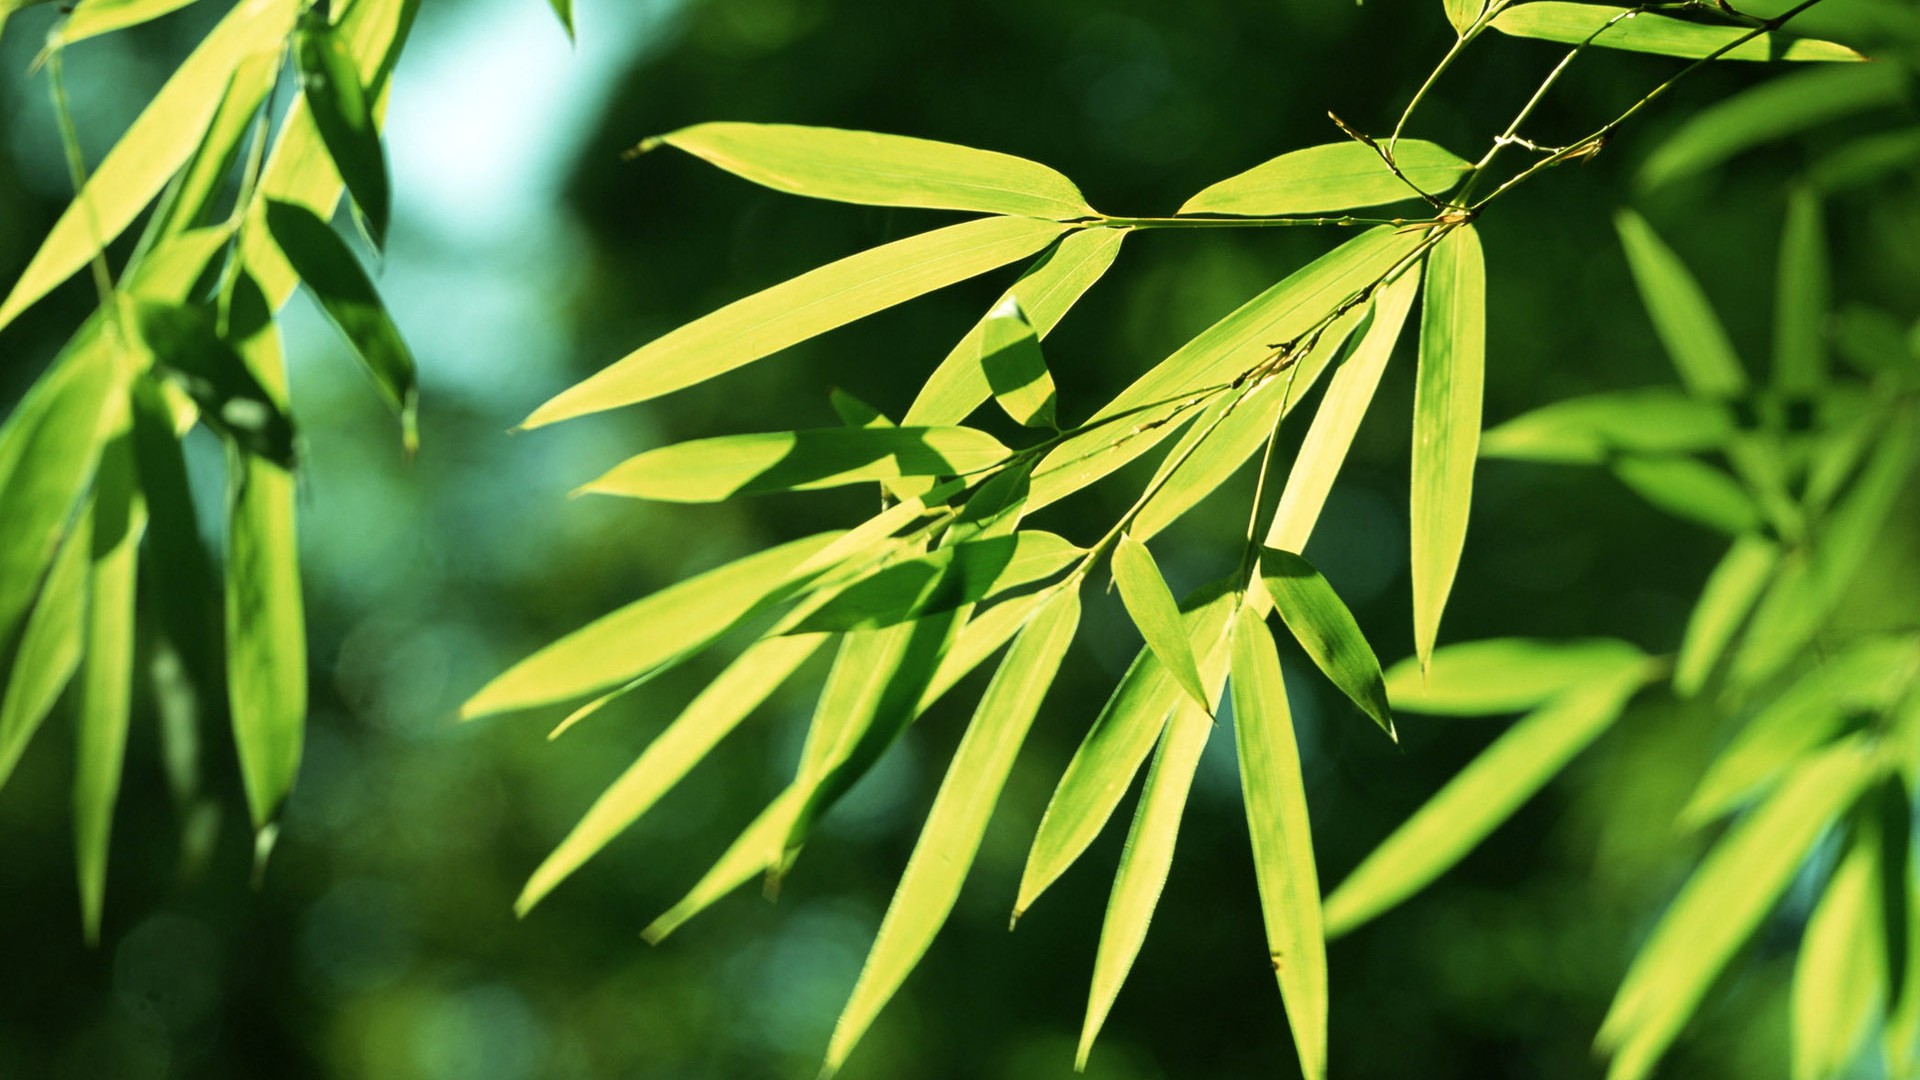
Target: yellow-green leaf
{"type": "Point", "coordinates": [1446, 423]}
{"type": "Point", "coordinates": [1337, 176]}
{"type": "Point", "coordinates": [1642, 31]}
{"type": "Point", "coordinates": [1692, 490]}
{"type": "Point", "coordinates": [1504, 675]}
{"type": "Point", "coordinates": [710, 470]}
{"type": "Point", "coordinates": [1841, 978]}
{"type": "Point", "coordinates": [49, 647]}
{"type": "Point", "coordinates": [1730, 593]}
{"type": "Point", "coordinates": [1681, 315]}
{"type": "Point", "coordinates": [1464, 13]}
{"type": "Point", "coordinates": [342, 112]}
{"type": "Point", "coordinates": [1591, 430]}
{"type": "Point", "coordinates": [91, 18]}
{"type": "Point", "coordinates": [1328, 632]}
{"type": "Point", "coordinates": [563, 10]}
{"type": "Point", "coordinates": [942, 580]}
{"type": "Point", "coordinates": [1773, 110]}
{"type": "Point", "coordinates": [1016, 371]}
{"type": "Point", "coordinates": [1151, 605]}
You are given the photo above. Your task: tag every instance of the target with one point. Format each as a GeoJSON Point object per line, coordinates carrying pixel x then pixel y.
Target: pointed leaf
{"type": "Point", "coordinates": [1641, 31]}
{"type": "Point", "coordinates": [711, 470]}
{"type": "Point", "coordinates": [563, 10]}
{"type": "Point", "coordinates": [49, 647]}
{"type": "Point", "coordinates": [1504, 675]}
{"type": "Point", "coordinates": [1337, 176]}
{"type": "Point", "coordinates": [943, 579]}
{"type": "Point", "coordinates": [1769, 112]}
{"type": "Point", "coordinates": [342, 113]}
{"type": "Point", "coordinates": [1692, 490]}
{"type": "Point", "coordinates": [1153, 610]}
{"type": "Point", "coordinates": [91, 18]}
{"type": "Point", "coordinates": [1446, 423]}
{"type": "Point", "coordinates": [1731, 591]}
{"type": "Point", "coordinates": [1841, 978]}
{"type": "Point", "coordinates": [1681, 315]}
{"type": "Point", "coordinates": [1591, 430]}
{"type": "Point", "coordinates": [1327, 631]}
{"type": "Point", "coordinates": [1014, 367]}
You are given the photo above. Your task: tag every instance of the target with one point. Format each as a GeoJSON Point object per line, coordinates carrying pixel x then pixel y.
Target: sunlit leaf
{"type": "Point", "coordinates": [1276, 801]}
{"type": "Point", "coordinates": [710, 470]}
{"type": "Point", "coordinates": [91, 18]}
{"type": "Point", "coordinates": [958, 820]}
{"type": "Point", "coordinates": [49, 646]}
{"type": "Point", "coordinates": [1800, 300]}
{"type": "Point", "coordinates": [1481, 796]}
{"type": "Point", "coordinates": [342, 112]}
{"type": "Point", "coordinates": [943, 579]}
{"type": "Point", "coordinates": [1464, 13]}
{"type": "Point", "coordinates": [1730, 593]}
{"type": "Point", "coordinates": [1151, 605]}
{"type": "Point", "coordinates": [186, 343]}
{"type": "Point", "coordinates": [1841, 978]}
{"type": "Point", "coordinates": [1014, 367]}
{"type": "Point", "coordinates": [1337, 176]}
{"type": "Point", "coordinates": [188, 203]}
{"type": "Point", "coordinates": [1681, 315]}
{"type": "Point", "coordinates": [1592, 429]}
{"type": "Point", "coordinates": [1773, 110]}
{"type": "Point", "coordinates": [1446, 423]}
{"type": "Point", "coordinates": [881, 170]}
{"type": "Point", "coordinates": [1505, 675]}
{"type": "Point", "coordinates": [1641, 31]}
{"type": "Point", "coordinates": [1692, 490]}
{"type": "Point", "coordinates": [1324, 627]}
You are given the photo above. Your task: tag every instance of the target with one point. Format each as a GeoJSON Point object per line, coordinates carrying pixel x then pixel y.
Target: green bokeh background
{"type": "Point", "coordinates": [526, 253]}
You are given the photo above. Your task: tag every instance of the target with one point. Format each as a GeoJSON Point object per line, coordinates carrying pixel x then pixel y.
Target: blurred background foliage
{"type": "Point", "coordinates": [525, 253]}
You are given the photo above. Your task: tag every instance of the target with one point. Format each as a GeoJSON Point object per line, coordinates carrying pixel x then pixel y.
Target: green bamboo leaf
{"type": "Point", "coordinates": [855, 413]}
{"type": "Point", "coordinates": [169, 272]}
{"type": "Point", "coordinates": [189, 201]}
{"type": "Point", "coordinates": [1593, 429]}
{"type": "Point", "coordinates": [711, 470]}
{"type": "Point", "coordinates": [342, 112]}
{"type": "Point", "coordinates": [1641, 31]}
{"type": "Point", "coordinates": [1692, 490]}
{"type": "Point", "coordinates": [186, 344]}
{"type": "Point", "coordinates": [958, 820]}
{"type": "Point", "coordinates": [49, 647]}
{"type": "Point", "coordinates": [1730, 593]}
{"type": "Point", "coordinates": [1464, 13]}
{"type": "Point", "coordinates": [1841, 977]}
{"type": "Point", "coordinates": [1866, 160]}
{"type": "Point", "coordinates": [563, 10]}
{"type": "Point", "coordinates": [1480, 797]}
{"type": "Point", "coordinates": [1871, 340]}
{"type": "Point", "coordinates": [1335, 422]}
{"type": "Point", "coordinates": [726, 701]}
{"type": "Point", "coordinates": [1769, 112]}
{"type": "Point", "coordinates": [627, 644]}
{"type": "Point", "coordinates": [1721, 905]}
{"type": "Point", "coordinates": [1151, 606]}
{"type": "Point", "coordinates": [1800, 304]}
{"type": "Point", "coordinates": [995, 507]}
{"type": "Point", "coordinates": [1044, 293]}
{"type": "Point", "coordinates": [1337, 176]}
{"type": "Point", "coordinates": [1145, 413]}
{"type": "Point", "coordinates": [942, 580]}
{"type": "Point", "coordinates": [1328, 632]}
{"type": "Point", "coordinates": [1446, 423]}
{"type": "Point", "coordinates": [91, 18]}
{"type": "Point", "coordinates": [1014, 368]}
{"type": "Point", "coordinates": [106, 668]}
{"type": "Point", "coordinates": [150, 151]}
{"type": "Point", "coordinates": [1276, 800]}
{"type": "Point", "coordinates": [881, 170]}
{"type": "Point", "coordinates": [1687, 326]}
{"type": "Point", "coordinates": [1900, 1038]}
{"type": "Point", "coordinates": [328, 267]}
{"type": "Point", "coordinates": [983, 635]}
{"type": "Point", "coordinates": [743, 859]}
{"type": "Point", "coordinates": [1505, 675]}
{"type": "Point", "coordinates": [1115, 747]}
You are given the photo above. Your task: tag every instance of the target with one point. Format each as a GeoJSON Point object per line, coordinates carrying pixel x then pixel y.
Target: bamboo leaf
{"type": "Point", "coordinates": [1464, 13]}
{"type": "Point", "coordinates": [1336, 421]}
{"type": "Point", "coordinates": [1479, 798]}
{"type": "Point", "coordinates": [627, 644]}
{"type": "Point", "coordinates": [150, 151]}
{"type": "Point", "coordinates": [1681, 314]}
{"type": "Point", "coordinates": [983, 635]}
{"type": "Point", "coordinates": [325, 264]}
{"type": "Point", "coordinates": [1641, 31]}
{"type": "Point", "coordinates": [1505, 675]}
{"type": "Point", "coordinates": [1144, 863]}
{"type": "Point", "coordinates": [342, 112]}
{"type": "Point", "coordinates": [1731, 591]}
{"type": "Point", "coordinates": [1337, 176]}
{"type": "Point", "coordinates": [942, 580]}
{"type": "Point", "coordinates": [1769, 112]}
{"type": "Point", "coordinates": [1014, 367]}
{"type": "Point", "coordinates": [1276, 801]}
{"type": "Point", "coordinates": [1841, 978]}
{"type": "Point", "coordinates": [1324, 627]}
{"type": "Point", "coordinates": [1151, 606]}
{"type": "Point", "coordinates": [1801, 301]}
{"type": "Point", "coordinates": [49, 647]}
{"type": "Point", "coordinates": [1446, 423]}
{"type": "Point", "coordinates": [711, 717]}
{"type": "Point", "coordinates": [881, 170]}
{"type": "Point", "coordinates": [1593, 429]}
{"type": "Point", "coordinates": [91, 18]}
{"type": "Point", "coordinates": [563, 10]}
{"type": "Point", "coordinates": [1692, 490]}
{"type": "Point", "coordinates": [1721, 905]}
{"type": "Point", "coordinates": [187, 345]}
{"type": "Point", "coordinates": [958, 820]}
{"type": "Point", "coordinates": [711, 470]}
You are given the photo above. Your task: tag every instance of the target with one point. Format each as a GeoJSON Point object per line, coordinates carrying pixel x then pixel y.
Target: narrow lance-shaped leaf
{"type": "Point", "coordinates": [49, 647]}
{"type": "Point", "coordinates": [1504, 675]}
{"type": "Point", "coordinates": [1276, 801]}
{"type": "Point", "coordinates": [958, 820]}
{"type": "Point", "coordinates": [1327, 631]}
{"type": "Point", "coordinates": [1691, 490]}
{"type": "Point", "coordinates": [1800, 304]}
{"type": "Point", "coordinates": [1014, 367]}
{"type": "Point", "coordinates": [1479, 798]}
{"type": "Point", "coordinates": [1769, 112]}
{"type": "Point", "coordinates": [1730, 593]}
{"type": "Point", "coordinates": [710, 470]}
{"type": "Point", "coordinates": [1337, 176]}
{"type": "Point", "coordinates": [1151, 605]}
{"type": "Point", "coordinates": [91, 18]}
{"type": "Point", "coordinates": [1593, 429]}
{"type": "Point", "coordinates": [1641, 31]}
{"type": "Point", "coordinates": [1687, 326]}
{"type": "Point", "coordinates": [342, 112]}
{"type": "Point", "coordinates": [881, 170]}
{"type": "Point", "coordinates": [563, 10]}
{"type": "Point", "coordinates": [1842, 975]}
{"type": "Point", "coordinates": [187, 346]}
{"type": "Point", "coordinates": [1446, 423]}
{"type": "Point", "coordinates": [329, 268]}
{"type": "Point", "coordinates": [941, 580]}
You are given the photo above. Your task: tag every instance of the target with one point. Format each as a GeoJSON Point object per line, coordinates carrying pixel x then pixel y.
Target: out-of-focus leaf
{"type": "Point", "coordinates": [1446, 423]}
{"type": "Point", "coordinates": [1335, 422]}
{"type": "Point", "coordinates": [91, 18]}
{"type": "Point", "coordinates": [1771, 111]}
{"type": "Point", "coordinates": [1115, 746]}
{"type": "Point", "coordinates": [1871, 340]}
{"type": "Point", "coordinates": [1865, 160]}
{"type": "Point", "coordinates": [1044, 293]}
{"type": "Point", "coordinates": [629, 643]}
{"type": "Point", "coordinates": [188, 203]}
{"type": "Point", "coordinates": [710, 470]}
{"type": "Point", "coordinates": [1800, 302]}
{"type": "Point", "coordinates": [1014, 367]}
{"type": "Point", "coordinates": [1480, 797]}
{"type": "Point", "coordinates": [1144, 862]}
{"type": "Point", "coordinates": [1589, 430]}
{"type": "Point", "coordinates": [1327, 631]}
{"type": "Point", "coordinates": [1276, 801]}
{"type": "Point", "coordinates": [958, 820]}
{"type": "Point", "coordinates": [1731, 591]}
{"type": "Point", "coordinates": [150, 151]}
{"type": "Point", "coordinates": [1151, 605]}
{"type": "Point", "coordinates": [1337, 176]}
{"type": "Point", "coordinates": [329, 268]}
{"type": "Point", "coordinates": [49, 647]}
{"type": "Point", "coordinates": [342, 112]}
{"type": "Point", "coordinates": [1841, 977]}
{"type": "Point", "coordinates": [941, 580]}
{"type": "Point", "coordinates": [106, 667]}
{"type": "Point", "coordinates": [1505, 675]}
{"type": "Point", "coordinates": [1641, 31]}
{"type": "Point", "coordinates": [1692, 490]}
{"type": "Point", "coordinates": [186, 343]}
{"type": "Point", "coordinates": [881, 170]}
{"type": "Point", "coordinates": [1720, 906]}
{"type": "Point", "coordinates": [563, 9]}
{"type": "Point", "coordinates": [1681, 315]}
{"type": "Point", "coordinates": [726, 701]}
